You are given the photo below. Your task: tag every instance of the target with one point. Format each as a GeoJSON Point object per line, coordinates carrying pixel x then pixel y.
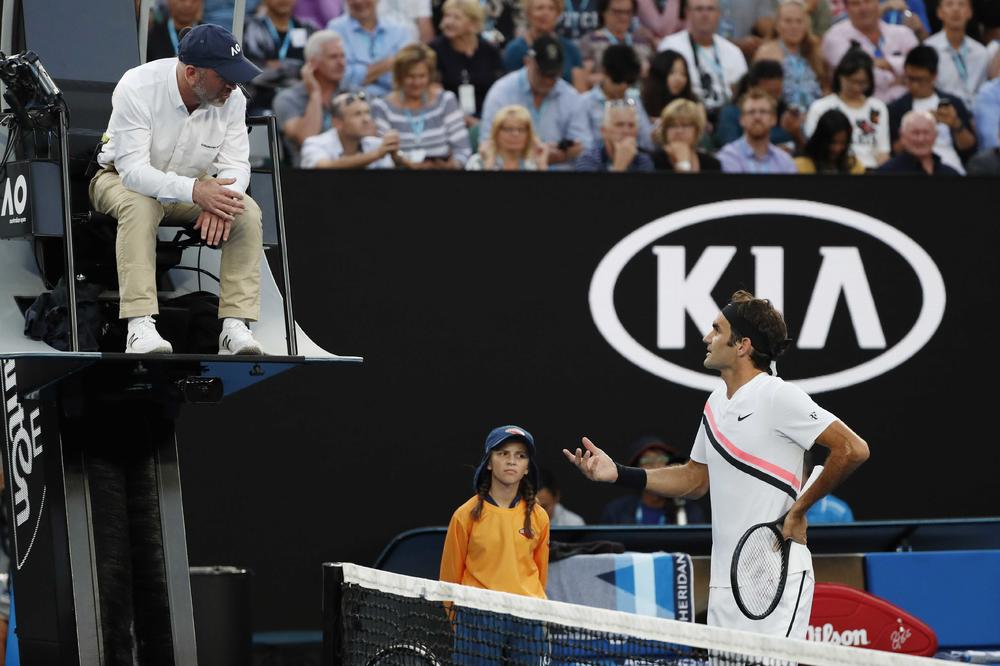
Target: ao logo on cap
{"type": "Point", "coordinates": [234, 49]}
{"type": "Point", "coordinates": [866, 281]}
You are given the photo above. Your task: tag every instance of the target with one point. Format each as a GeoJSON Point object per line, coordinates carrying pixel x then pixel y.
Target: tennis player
{"type": "Point", "coordinates": [749, 454]}
{"type": "Point", "coordinates": [499, 540]}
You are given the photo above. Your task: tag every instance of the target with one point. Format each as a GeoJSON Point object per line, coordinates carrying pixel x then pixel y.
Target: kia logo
{"type": "Point", "coordinates": [684, 292]}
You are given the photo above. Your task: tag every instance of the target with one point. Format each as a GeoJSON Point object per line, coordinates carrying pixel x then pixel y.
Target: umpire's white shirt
{"type": "Point", "coordinates": [753, 445]}
{"type": "Point", "coordinates": [159, 149]}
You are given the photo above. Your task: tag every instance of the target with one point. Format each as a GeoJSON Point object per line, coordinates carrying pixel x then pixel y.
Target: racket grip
{"type": "Point", "coordinates": [631, 477]}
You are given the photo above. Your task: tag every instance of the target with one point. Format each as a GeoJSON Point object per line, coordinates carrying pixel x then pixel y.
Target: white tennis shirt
{"type": "Point", "coordinates": [753, 445]}
{"type": "Point", "coordinates": [159, 149]}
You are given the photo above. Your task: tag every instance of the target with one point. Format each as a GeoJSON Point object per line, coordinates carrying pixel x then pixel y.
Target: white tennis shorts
{"type": "Point", "coordinates": [790, 618]}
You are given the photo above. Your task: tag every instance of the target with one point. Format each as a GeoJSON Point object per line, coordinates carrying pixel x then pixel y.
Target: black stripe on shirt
{"type": "Point", "coordinates": [742, 466]}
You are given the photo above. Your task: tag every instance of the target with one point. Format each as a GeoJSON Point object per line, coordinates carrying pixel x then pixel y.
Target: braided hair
{"type": "Point", "coordinates": [525, 489]}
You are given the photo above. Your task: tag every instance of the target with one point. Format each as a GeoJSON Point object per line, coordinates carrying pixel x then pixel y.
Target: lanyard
{"type": "Point", "coordinates": [283, 47]}
{"type": "Point", "coordinates": [172, 31]}
{"type": "Point", "coordinates": [958, 57]}
{"type": "Point", "coordinates": [614, 40]}
{"type": "Point", "coordinates": [417, 123]}
{"type": "Point", "coordinates": [879, 48]}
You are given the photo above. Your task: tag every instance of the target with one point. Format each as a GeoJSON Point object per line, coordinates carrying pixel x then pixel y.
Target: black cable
{"type": "Point", "coordinates": [199, 267]}
{"type": "Point", "coordinates": [198, 270]}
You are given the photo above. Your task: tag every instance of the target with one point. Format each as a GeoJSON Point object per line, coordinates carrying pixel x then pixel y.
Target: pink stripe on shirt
{"type": "Point", "coordinates": [773, 469]}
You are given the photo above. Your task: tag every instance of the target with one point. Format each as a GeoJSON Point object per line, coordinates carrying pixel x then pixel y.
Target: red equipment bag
{"type": "Point", "coordinates": [846, 616]}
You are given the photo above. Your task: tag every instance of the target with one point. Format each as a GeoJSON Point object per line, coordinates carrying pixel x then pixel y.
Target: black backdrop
{"type": "Point", "coordinates": [468, 296]}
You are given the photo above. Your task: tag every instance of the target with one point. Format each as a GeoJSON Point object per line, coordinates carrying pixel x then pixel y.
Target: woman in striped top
{"type": "Point", "coordinates": [432, 133]}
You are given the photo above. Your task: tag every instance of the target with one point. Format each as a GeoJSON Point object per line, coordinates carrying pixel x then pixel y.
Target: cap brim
{"type": "Point", "coordinates": [239, 70]}
{"type": "Point", "coordinates": [555, 70]}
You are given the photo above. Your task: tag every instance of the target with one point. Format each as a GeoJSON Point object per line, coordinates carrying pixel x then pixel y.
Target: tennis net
{"type": "Point", "coordinates": [378, 618]}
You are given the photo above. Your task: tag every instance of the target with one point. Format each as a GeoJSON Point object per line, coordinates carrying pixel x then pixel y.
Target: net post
{"type": "Point", "coordinates": [333, 582]}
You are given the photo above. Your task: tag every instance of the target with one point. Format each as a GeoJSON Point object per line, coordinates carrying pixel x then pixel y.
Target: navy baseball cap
{"type": "Point", "coordinates": [548, 54]}
{"type": "Point", "coordinates": [497, 437]}
{"type": "Point", "coordinates": [215, 47]}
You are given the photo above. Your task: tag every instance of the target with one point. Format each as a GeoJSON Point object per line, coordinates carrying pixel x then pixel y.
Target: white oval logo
{"type": "Point", "coordinates": [605, 315]}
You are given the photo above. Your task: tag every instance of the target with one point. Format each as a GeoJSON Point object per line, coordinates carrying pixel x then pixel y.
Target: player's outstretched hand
{"type": "Point", "coordinates": [595, 464]}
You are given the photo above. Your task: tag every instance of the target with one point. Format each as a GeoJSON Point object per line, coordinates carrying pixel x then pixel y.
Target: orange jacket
{"type": "Point", "coordinates": [492, 553]}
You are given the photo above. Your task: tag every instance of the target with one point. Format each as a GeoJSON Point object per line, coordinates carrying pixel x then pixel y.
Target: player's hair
{"type": "Point", "coordinates": [526, 490]}
{"type": "Point", "coordinates": [760, 313]}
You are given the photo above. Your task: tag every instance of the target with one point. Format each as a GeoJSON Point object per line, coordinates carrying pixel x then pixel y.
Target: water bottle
{"type": "Point", "coordinates": [893, 16]}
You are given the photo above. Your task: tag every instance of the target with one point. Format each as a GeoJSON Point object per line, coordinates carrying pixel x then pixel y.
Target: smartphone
{"type": "Point", "coordinates": [944, 103]}
{"type": "Point", "coordinates": [564, 144]}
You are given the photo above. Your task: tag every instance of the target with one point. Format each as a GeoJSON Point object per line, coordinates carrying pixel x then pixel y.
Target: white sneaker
{"type": "Point", "coordinates": [142, 337]}
{"type": "Point", "coordinates": [236, 338]}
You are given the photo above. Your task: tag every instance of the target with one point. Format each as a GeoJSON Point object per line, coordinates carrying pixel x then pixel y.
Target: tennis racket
{"type": "Point", "coordinates": [759, 569]}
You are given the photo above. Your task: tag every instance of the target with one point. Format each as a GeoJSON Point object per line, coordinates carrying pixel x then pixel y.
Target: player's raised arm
{"type": "Point", "coordinates": [687, 480]}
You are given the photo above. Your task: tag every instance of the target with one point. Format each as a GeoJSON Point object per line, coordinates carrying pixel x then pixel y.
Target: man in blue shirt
{"type": "Point", "coordinates": [371, 46]}
{"type": "Point", "coordinates": [987, 113]}
{"type": "Point", "coordinates": [754, 152]}
{"type": "Point", "coordinates": [620, 67]}
{"type": "Point", "coordinates": [552, 102]}
{"type": "Point", "coordinates": [619, 149]}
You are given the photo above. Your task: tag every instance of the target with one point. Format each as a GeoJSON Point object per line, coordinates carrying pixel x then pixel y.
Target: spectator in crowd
{"type": "Point", "coordinates": [370, 44]}
{"type": "Point", "coordinates": [820, 16]}
{"type": "Point", "coordinates": [619, 71]}
{"type": "Point", "coordinates": [852, 96]}
{"type": "Point", "coordinates": [616, 23]}
{"type": "Point", "coordinates": [886, 44]}
{"type": "Point", "coordinates": [661, 18]}
{"type": "Point", "coordinates": [467, 63]}
{"type": "Point", "coordinates": [911, 13]}
{"type": "Point", "coordinates": [163, 39]}
{"type": "Point", "coordinates": [414, 14]}
{"type": "Point", "coordinates": [768, 75]}
{"type": "Point", "coordinates": [549, 497]}
{"type": "Point", "coordinates": [797, 49]}
{"type": "Point", "coordinates": [715, 63]}
{"type": "Point", "coordinates": [963, 60]}
{"type": "Point", "coordinates": [649, 452]}
{"type": "Point", "coordinates": [512, 144]}
{"type": "Point", "coordinates": [274, 41]}
{"type": "Point", "coordinates": [618, 149]}
{"type": "Point", "coordinates": [542, 17]}
{"type": "Point", "coordinates": [504, 18]}
{"type": "Point", "coordinates": [956, 140]}
{"type": "Point", "coordinates": [305, 109]}
{"type": "Point", "coordinates": [986, 163]}
{"type": "Point", "coordinates": [320, 12]}
{"type": "Point", "coordinates": [829, 147]}
{"type": "Point", "coordinates": [668, 79]}
{"type": "Point", "coordinates": [220, 12]}
{"type": "Point", "coordinates": [578, 18]}
{"type": "Point", "coordinates": [754, 152]}
{"type": "Point", "coordinates": [987, 113]}
{"type": "Point", "coordinates": [917, 135]}
{"type": "Point", "coordinates": [551, 101]}
{"type": "Point", "coordinates": [351, 142]}
{"type": "Point", "coordinates": [745, 22]}
{"type": "Point", "coordinates": [681, 127]}
{"type": "Point", "coordinates": [431, 127]}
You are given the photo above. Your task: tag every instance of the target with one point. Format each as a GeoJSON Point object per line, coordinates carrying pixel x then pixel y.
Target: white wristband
{"type": "Point", "coordinates": [683, 166]}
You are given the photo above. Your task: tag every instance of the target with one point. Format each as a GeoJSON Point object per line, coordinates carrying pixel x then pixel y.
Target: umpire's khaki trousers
{"type": "Point", "coordinates": [139, 217]}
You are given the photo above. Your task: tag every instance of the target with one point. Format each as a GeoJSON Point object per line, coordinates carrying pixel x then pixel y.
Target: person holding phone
{"type": "Point", "coordinates": [956, 141]}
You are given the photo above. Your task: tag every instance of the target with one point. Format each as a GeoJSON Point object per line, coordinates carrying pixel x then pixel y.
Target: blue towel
{"type": "Point", "coordinates": [654, 584]}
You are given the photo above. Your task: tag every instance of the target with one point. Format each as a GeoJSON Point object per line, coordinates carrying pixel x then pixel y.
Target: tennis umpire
{"type": "Point", "coordinates": [173, 122]}
{"type": "Point", "coordinates": [754, 432]}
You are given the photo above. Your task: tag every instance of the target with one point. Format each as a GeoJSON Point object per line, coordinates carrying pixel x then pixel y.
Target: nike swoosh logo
{"type": "Point", "coordinates": [740, 418]}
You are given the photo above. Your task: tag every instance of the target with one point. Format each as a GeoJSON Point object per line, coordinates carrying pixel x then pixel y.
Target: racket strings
{"type": "Point", "coordinates": [759, 570]}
